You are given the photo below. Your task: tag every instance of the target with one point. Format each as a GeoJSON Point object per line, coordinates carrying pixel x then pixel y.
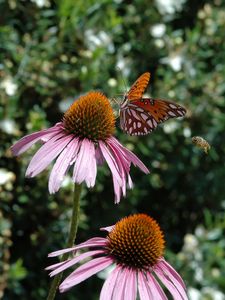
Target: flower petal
{"type": "Point", "coordinates": [177, 282]}
{"type": "Point", "coordinates": [85, 271]}
{"type": "Point", "coordinates": [92, 167]}
{"type": "Point", "coordinates": [132, 157]}
{"type": "Point", "coordinates": [111, 162]}
{"type": "Point", "coordinates": [108, 228]}
{"type": "Point", "coordinates": [130, 182]}
{"type": "Point", "coordinates": [55, 266]}
{"type": "Point", "coordinates": [75, 260]}
{"type": "Point", "coordinates": [119, 290]}
{"type": "Point", "coordinates": [27, 141]}
{"type": "Point", "coordinates": [47, 153]}
{"type": "Point", "coordinates": [61, 165]}
{"type": "Point", "coordinates": [99, 156]}
{"type": "Point", "coordinates": [93, 242]}
{"type": "Point", "coordinates": [123, 166]}
{"type": "Point", "coordinates": [85, 168]}
{"type": "Point", "coordinates": [122, 157]}
{"type": "Point", "coordinates": [143, 288]}
{"type": "Point", "coordinates": [157, 291]}
{"type": "Point", "coordinates": [172, 271]}
{"type": "Point", "coordinates": [117, 190]}
{"type": "Point", "coordinates": [168, 284]}
{"type": "Point", "coordinates": [131, 285]}
{"type": "Point", "coordinates": [109, 284]}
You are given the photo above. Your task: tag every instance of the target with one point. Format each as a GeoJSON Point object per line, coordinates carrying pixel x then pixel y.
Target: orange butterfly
{"type": "Point", "coordinates": [139, 116]}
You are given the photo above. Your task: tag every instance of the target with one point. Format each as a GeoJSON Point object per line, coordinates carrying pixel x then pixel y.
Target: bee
{"type": "Point", "coordinates": [201, 143]}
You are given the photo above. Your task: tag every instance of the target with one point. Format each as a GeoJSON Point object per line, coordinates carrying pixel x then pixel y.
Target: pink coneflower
{"type": "Point", "coordinates": [83, 138]}
{"type": "Point", "coordinates": [135, 245]}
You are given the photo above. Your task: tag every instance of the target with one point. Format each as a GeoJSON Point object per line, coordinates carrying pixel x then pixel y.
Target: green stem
{"type": "Point", "coordinates": [71, 239]}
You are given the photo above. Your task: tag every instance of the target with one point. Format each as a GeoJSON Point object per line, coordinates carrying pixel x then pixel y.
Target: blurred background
{"type": "Point", "coordinates": [53, 51]}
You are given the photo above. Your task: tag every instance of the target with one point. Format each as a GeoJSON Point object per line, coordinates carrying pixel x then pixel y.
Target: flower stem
{"type": "Point", "coordinates": [71, 239]}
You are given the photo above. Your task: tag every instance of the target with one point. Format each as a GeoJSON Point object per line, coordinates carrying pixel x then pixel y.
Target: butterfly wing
{"type": "Point", "coordinates": [137, 89]}
{"type": "Point", "coordinates": [142, 116]}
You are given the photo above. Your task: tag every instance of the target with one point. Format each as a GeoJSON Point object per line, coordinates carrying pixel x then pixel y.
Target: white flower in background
{"type": "Point", "coordinates": [84, 70]}
{"type": "Point", "coordinates": [9, 86]}
{"type": "Point", "coordinates": [213, 293]}
{"type": "Point", "coordinates": [170, 127]}
{"type": "Point", "coordinates": [200, 231]}
{"type": "Point", "coordinates": [6, 176]}
{"type": "Point", "coordinates": [159, 43]}
{"type": "Point", "coordinates": [123, 64]}
{"type": "Point", "coordinates": [41, 3]}
{"type": "Point", "coordinates": [190, 242]}
{"type": "Point", "coordinates": [215, 272]}
{"type": "Point", "coordinates": [187, 132]}
{"type": "Point", "coordinates": [100, 39]}
{"type": "Point", "coordinates": [169, 6]}
{"type": "Point", "coordinates": [8, 126]}
{"type": "Point", "coordinates": [174, 61]}
{"type": "Point", "coordinates": [66, 181]}
{"type": "Point", "coordinates": [198, 274]}
{"type": "Point", "coordinates": [158, 30]}
{"type": "Point", "coordinates": [194, 294]}
{"type": "Point", "coordinates": [112, 82]}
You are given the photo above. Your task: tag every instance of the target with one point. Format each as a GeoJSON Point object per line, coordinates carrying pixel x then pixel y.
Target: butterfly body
{"type": "Point", "coordinates": [140, 116]}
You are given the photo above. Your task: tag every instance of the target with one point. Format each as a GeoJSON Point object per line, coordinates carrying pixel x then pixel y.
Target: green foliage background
{"type": "Point", "coordinates": [53, 51]}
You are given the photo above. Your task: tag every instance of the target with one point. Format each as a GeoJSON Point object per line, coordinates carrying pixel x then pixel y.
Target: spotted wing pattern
{"type": "Point", "coordinates": [137, 89]}
{"type": "Point", "coordinates": [142, 116]}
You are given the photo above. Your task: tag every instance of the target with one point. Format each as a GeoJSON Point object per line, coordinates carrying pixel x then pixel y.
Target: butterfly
{"type": "Point", "coordinates": [140, 116]}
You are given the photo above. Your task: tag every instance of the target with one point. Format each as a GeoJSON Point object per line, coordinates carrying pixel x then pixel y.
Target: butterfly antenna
{"type": "Point", "coordinates": [114, 100]}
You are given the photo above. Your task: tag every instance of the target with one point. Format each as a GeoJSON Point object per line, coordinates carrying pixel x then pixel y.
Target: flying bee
{"type": "Point", "coordinates": [201, 143]}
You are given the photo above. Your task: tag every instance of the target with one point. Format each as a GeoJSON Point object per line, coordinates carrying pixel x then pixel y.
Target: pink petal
{"type": "Point", "coordinates": [60, 252]}
{"type": "Point", "coordinates": [132, 157]}
{"type": "Point", "coordinates": [143, 288]}
{"type": "Point", "coordinates": [85, 168]}
{"type": "Point", "coordinates": [126, 285]}
{"type": "Point", "coordinates": [172, 272]}
{"type": "Point", "coordinates": [61, 165]}
{"type": "Point", "coordinates": [85, 271]}
{"type": "Point", "coordinates": [130, 182]}
{"type": "Point", "coordinates": [55, 266]}
{"type": "Point", "coordinates": [93, 242]}
{"type": "Point", "coordinates": [176, 281]}
{"type": "Point", "coordinates": [99, 156]}
{"type": "Point", "coordinates": [122, 157]}
{"type": "Point", "coordinates": [131, 285]}
{"type": "Point", "coordinates": [47, 153]}
{"type": "Point", "coordinates": [123, 167]}
{"type": "Point", "coordinates": [111, 162]}
{"type": "Point", "coordinates": [119, 290]}
{"type": "Point", "coordinates": [75, 260]}
{"type": "Point", "coordinates": [168, 284]}
{"type": "Point", "coordinates": [110, 284]}
{"type": "Point", "coordinates": [27, 141]}
{"type": "Point", "coordinates": [108, 228]}
{"type": "Point", "coordinates": [92, 167]}
{"type": "Point", "coordinates": [157, 291]}
{"type": "Point", "coordinates": [117, 190]}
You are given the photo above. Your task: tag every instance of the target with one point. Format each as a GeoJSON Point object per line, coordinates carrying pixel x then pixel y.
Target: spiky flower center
{"type": "Point", "coordinates": [136, 241]}
{"type": "Point", "coordinates": [90, 116]}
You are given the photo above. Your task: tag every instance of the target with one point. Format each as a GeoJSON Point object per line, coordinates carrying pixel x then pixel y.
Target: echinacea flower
{"type": "Point", "coordinates": [135, 245]}
{"type": "Point", "coordinates": [84, 138]}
